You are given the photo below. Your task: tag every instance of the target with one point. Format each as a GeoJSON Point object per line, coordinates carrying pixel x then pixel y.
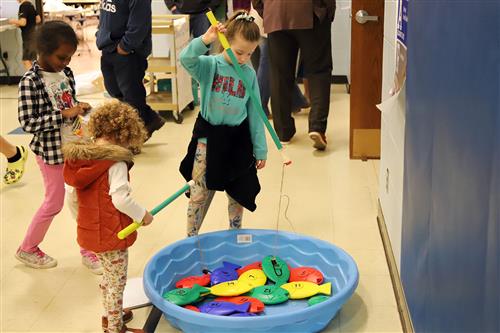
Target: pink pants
{"type": "Point", "coordinates": [53, 202]}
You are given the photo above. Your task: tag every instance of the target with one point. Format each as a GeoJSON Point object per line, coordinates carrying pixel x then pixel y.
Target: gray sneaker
{"type": "Point", "coordinates": [37, 259]}
{"type": "Point", "coordinates": [91, 261]}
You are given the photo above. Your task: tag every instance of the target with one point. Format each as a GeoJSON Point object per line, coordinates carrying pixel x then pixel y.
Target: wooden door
{"type": "Point", "coordinates": [367, 32]}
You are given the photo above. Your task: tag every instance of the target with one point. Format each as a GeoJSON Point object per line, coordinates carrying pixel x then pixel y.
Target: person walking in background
{"type": "Point", "coordinates": [124, 37]}
{"type": "Point", "coordinates": [49, 110]}
{"type": "Point", "coordinates": [303, 25]}
{"type": "Point", "coordinates": [27, 20]}
{"type": "Point", "coordinates": [16, 158]}
{"type": "Point", "coordinates": [260, 62]}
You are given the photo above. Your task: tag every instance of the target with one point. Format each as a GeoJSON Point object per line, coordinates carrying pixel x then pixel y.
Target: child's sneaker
{"type": "Point", "coordinates": [37, 259]}
{"type": "Point", "coordinates": [91, 261]}
{"type": "Point", "coordinates": [15, 170]}
{"type": "Point", "coordinates": [127, 316]}
{"type": "Point", "coordinates": [125, 329]}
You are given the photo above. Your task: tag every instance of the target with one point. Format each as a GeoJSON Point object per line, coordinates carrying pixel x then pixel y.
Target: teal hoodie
{"type": "Point", "coordinates": [224, 100]}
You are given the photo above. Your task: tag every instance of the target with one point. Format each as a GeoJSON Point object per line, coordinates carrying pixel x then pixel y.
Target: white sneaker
{"type": "Point", "coordinates": [37, 259]}
{"type": "Point", "coordinates": [92, 263]}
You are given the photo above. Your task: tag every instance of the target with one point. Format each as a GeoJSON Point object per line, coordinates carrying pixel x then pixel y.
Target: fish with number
{"type": "Point", "coordinates": [184, 296]}
{"type": "Point", "coordinates": [230, 288]}
{"type": "Point", "coordinates": [276, 269]}
{"type": "Point", "coordinates": [256, 306]}
{"type": "Point", "coordinates": [304, 289]}
{"type": "Point", "coordinates": [253, 277]}
{"type": "Point", "coordinates": [271, 294]}
{"type": "Point", "coordinates": [223, 308]}
{"type": "Point", "coordinates": [189, 282]}
{"type": "Point", "coordinates": [225, 273]}
{"type": "Point", "coordinates": [254, 265]}
{"type": "Point", "coordinates": [306, 274]}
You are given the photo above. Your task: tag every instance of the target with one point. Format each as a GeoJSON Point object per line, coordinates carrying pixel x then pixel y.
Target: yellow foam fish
{"type": "Point", "coordinates": [230, 288]}
{"type": "Point", "coordinates": [304, 289]}
{"type": "Point", "coordinates": [253, 277]}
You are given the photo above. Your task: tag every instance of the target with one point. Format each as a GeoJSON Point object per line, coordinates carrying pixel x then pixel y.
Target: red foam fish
{"type": "Point", "coordinates": [254, 265]}
{"type": "Point", "coordinates": [192, 308]}
{"type": "Point", "coordinates": [256, 306]}
{"type": "Point", "coordinates": [189, 282]}
{"type": "Point", "coordinates": [306, 274]}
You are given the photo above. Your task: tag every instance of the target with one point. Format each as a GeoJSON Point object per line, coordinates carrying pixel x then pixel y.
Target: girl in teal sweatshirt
{"type": "Point", "coordinates": [228, 143]}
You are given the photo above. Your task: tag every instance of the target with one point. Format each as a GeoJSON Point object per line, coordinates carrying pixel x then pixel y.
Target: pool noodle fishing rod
{"type": "Point", "coordinates": [255, 100]}
{"type": "Point", "coordinates": [136, 224]}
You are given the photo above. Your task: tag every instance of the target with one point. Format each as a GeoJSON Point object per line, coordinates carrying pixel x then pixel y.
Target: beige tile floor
{"type": "Point", "coordinates": [332, 198]}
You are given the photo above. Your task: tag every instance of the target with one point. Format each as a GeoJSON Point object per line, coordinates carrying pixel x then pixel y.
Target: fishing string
{"type": "Point", "coordinates": [281, 197]}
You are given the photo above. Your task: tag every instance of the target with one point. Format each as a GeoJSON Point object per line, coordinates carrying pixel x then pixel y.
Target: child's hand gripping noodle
{"type": "Point", "coordinates": [135, 225]}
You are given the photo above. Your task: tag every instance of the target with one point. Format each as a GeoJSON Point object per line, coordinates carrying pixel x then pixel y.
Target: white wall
{"type": "Point", "coordinates": [341, 39]}
{"type": "Point", "coordinates": [392, 139]}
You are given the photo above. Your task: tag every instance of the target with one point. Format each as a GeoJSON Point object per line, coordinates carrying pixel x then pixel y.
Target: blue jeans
{"type": "Point", "coordinates": [263, 79]}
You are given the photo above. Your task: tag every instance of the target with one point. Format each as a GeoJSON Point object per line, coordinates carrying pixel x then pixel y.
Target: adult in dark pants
{"type": "Point", "coordinates": [198, 22]}
{"type": "Point", "coordinates": [303, 25]}
{"type": "Point", "coordinates": [124, 37]}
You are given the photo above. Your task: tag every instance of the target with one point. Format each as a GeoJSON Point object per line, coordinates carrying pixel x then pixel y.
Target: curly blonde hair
{"type": "Point", "coordinates": [119, 123]}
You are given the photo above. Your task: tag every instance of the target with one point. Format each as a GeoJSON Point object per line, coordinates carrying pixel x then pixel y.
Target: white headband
{"type": "Point", "coordinates": [246, 17]}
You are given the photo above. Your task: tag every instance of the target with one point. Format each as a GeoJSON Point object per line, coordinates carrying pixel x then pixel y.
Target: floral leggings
{"type": "Point", "coordinates": [201, 197]}
{"type": "Point", "coordinates": [112, 286]}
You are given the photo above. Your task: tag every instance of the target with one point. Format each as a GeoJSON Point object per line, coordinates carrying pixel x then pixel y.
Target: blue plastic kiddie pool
{"type": "Point", "coordinates": [242, 247]}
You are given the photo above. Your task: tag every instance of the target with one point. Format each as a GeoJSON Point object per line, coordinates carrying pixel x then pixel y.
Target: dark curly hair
{"type": "Point", "coordinates": [52, 34]}
{"type": "Point", "coordinates": [119, 123]}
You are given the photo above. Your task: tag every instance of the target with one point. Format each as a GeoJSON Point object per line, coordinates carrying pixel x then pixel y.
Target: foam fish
{"type": "Point", "coordinates": [255, 305]}
{"type": "Point", "coordinates": [276, 270]}
{"type": "Point", "coordinates": [243, 314]}
{"type": "Point", "coordinates": [253, 277]}
{"type": "Point", "coordinates": [254, 265]}
{"type": "Point", "coordinates": [317, 299]}
{"type": "Point", "coordinates": [189, 282]}
{"type": "Point", "coordinates": [225, 273]}
{"type": "Point", "coordinates": [304, 289]}
{"type": "Point", "coordinates": [230, 288]}
{"type": "Point", "coordinates": [185, 296]}
{"type": "Point", "coordinates": [272, 294]}
{"type": "Point", "coordinates": [192, 308]}
{"type": "Point", "coordinates": [306, 274]}
{"type": "Point", "coordinates": [223, 308]}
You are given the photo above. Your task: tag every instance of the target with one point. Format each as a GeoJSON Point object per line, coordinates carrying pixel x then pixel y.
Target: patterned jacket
{"type": "Point", "coordinates": [38, 116]}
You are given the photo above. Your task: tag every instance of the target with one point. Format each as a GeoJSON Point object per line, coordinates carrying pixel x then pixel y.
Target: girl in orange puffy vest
{"type": "Point", "coordinates": [99, 171]}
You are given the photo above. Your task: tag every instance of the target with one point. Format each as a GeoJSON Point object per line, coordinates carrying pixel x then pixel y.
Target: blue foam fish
{"type": "Point", "coordinates": [243, 314]}
{"type": "Point", "coordinates": [223, 308]}
{"type": "Point", "coordinates": [228, 272]}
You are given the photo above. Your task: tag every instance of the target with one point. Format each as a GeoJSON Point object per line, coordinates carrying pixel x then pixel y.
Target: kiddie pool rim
{"type": "Point", "coordinates": [233, 322]}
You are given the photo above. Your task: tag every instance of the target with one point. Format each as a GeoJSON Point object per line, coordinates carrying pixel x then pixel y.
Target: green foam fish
{"type": "Point", "coordinates": [276, 270]}
{"type": "Point", "coordinates": [270, 294]}
{"type": "Point", "coordinates": [184, 296]}
{"type": "Point", "coordinates": [317, 299]}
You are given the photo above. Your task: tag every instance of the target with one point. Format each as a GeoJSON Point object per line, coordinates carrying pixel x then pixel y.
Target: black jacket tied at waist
{"type": "Point", "coordinates": [230, 160]}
